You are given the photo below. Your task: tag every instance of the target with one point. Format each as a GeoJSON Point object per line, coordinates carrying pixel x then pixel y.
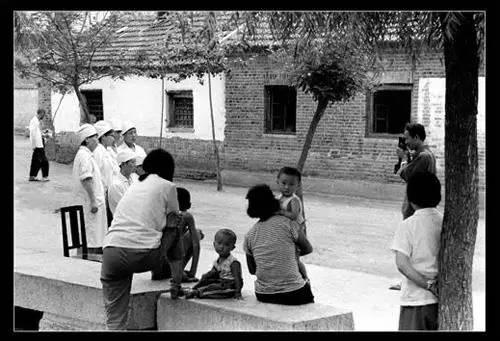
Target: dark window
{"type": "Point", "coordinates": [94, 103]}
{"type": "Point", "coordinates": [389, 108]}
{"type": "Point", "coordinates": [180, 107]}
{"type": "Point", "coordinates": [280, 109]}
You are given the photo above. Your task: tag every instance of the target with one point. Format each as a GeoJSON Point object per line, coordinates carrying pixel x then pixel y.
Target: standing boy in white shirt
{"type": "Point", "coordinates": [416, 245]}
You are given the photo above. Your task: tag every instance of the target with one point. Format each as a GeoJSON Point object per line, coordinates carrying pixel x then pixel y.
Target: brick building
{"type": "Point", "coordinates": [261, 122]}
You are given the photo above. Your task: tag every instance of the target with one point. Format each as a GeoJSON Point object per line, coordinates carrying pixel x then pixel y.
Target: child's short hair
{"type": "Point", "coordinates": [262, 203]}
{"type": "Point", "coordinates": [227, 234]}
{"type": "Point", "coordinates": [415, 129]}
{"type": "Point", "coordinates": [290, 171]}
{"type": "Point", "coordinates": [424, 189]}
{"type": "Point", "coordinates": [184, 198]}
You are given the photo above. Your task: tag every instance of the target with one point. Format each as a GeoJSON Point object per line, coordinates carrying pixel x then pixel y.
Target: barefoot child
{"type": "Point", "coordinates": [224, 280]}
{"type": "Point", "coordinates": [289, 180]}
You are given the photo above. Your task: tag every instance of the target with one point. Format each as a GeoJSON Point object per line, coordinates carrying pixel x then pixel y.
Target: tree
{"type": "Point", "coordinates": [61, 48]}
{"type": "Point", "coordinates": [460, 36]}
{"type": "Point", "coordinates": [191, 50]}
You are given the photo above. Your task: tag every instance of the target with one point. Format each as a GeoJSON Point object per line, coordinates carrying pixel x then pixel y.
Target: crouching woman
{"type": "Point", "coordinates": [270, 248]}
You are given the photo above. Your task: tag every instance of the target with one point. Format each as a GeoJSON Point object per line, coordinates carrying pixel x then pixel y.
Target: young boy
{"type": "Point", "coordinates": [416, 245]}
{"type": "Point", "coordinates": [191, 237]}
{"type": "Point", "coordinates": [289, 180]}
{"type": "Point", "coordinates": [224, 280]}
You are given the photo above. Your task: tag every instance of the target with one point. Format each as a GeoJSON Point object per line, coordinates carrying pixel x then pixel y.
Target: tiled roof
{"type": "Point", "coordinates": [147, 34]}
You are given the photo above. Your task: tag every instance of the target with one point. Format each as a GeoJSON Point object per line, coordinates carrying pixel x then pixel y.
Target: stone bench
{"type": "Point", "coordinates": [69, 293]}
{"type": "Point", "coordinates": [248, 314]}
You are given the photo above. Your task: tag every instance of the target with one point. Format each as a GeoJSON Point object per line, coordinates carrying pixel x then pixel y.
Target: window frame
{"type": "Point", "coordinates": [83, 92]}
{"type": "Point", "coordinates": [171, 96]}
{"type": "Point", "coordinates": [370, 112]}
{"type": "Point", "coordinates": [268, 117]}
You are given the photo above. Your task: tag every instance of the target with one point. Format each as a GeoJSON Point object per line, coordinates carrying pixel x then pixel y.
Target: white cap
{"type": "Point", "coordinates": [102, 128]}
{"type": "Point", "coordinates": [116, 124]}
{"type": "Point", "coordinates": [125, 155]}
{"type": "Point", "coordinates": [86, 130]}
{"type": "Point", "coordinates": [139, 160]}
{"type": "Point", "coordinates": [127, 125]}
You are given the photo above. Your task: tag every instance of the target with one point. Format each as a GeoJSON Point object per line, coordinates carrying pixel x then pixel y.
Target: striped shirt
{"type": "Point", "coordinates": [272, 245]}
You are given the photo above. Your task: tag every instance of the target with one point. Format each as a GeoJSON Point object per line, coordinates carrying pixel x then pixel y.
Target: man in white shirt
{"type": "Point", "coordinates": [123, 180]}
{"type": "Point", "coordinates": [129, 133]}
{"type": "Point", "coordinates": [89, 189]}
{"type": "Point", "coordinates": [416, 245]}
{"type": "Point", "coordinates": [38, 160]}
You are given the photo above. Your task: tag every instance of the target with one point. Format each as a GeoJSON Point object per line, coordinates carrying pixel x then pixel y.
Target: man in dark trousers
{"type": "Point", "coordinates": [38, 160]}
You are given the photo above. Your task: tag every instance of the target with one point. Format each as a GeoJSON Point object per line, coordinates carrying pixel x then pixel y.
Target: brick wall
{"type": "Point", "coordinates": [341, 148]}
{"type": "Point", "coordinates": [194, 159]}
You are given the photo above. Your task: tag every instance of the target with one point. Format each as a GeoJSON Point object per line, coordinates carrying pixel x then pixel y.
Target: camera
{"type": "Point", "coordinates": [402, 145]}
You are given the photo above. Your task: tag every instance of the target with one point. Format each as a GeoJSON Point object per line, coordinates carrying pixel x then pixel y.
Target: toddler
{"type": "Point", "coordinates": [289, 180]}
{"type": "Point", "coordinates": [224, 280]}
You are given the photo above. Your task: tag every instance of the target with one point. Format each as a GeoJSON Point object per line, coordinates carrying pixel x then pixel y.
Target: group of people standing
{"type": "Point", "coordinates": [138, 219]}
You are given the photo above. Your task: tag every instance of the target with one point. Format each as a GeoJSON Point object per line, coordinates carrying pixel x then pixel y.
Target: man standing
{"type": "Point", "coordinates": [129, 133]}
{"type": "Point", "coordinates": [122, 181]}
{"type": "Point", "coordinates": [38, 160]}
{"type": "Point", "coordinates": [116, 124]}
{"type": "Point", "coordinates": [89, 188]}
{"type": "Point", "coordinates": [422, 159]}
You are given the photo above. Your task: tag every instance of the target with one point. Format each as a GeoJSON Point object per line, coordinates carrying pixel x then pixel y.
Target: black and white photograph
{"type": "Point", "coordinates": [249, 170]}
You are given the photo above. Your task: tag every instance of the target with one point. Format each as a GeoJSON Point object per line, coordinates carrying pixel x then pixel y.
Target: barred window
{"type": "Point", "coordinates": [280, 109]}
{"type": "Point", "coordinates": [389, 108]}
{"type": "Point", "coordinates": [180, 107]}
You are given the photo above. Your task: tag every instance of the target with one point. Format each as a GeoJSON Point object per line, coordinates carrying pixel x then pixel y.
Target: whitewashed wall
{"type": "Point", "coordinates": [138, 99]}
{"type": "Point", "coordinates": [25, 106]}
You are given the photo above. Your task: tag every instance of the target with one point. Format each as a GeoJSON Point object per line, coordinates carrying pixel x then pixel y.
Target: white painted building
{"type": "Point", "coordinates": [139, 99]}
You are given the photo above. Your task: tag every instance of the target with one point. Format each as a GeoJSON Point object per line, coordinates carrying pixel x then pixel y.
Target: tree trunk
{"type": "Point", "coordinates": [216, 150]}
{"type": "Point", "coordinates": [320, 110]}
{"type": "Point", "coordinates": [84, 112]}
{"type": "Point", "coordinates": [461, 212]}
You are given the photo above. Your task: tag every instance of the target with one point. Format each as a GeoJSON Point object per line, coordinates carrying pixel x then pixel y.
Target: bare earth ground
{"type": "Point", "coordinates": [347, 233]}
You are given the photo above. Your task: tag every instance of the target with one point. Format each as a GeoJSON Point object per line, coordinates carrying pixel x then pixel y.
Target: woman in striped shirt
{"type": "Point", "coordinates": [270, 250]}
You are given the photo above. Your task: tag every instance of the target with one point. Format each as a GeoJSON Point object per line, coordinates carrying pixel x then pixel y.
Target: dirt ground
{"type": "Point", "coordinates": [346, 232]}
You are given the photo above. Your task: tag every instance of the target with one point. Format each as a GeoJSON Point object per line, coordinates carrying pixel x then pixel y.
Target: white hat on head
{"type": "Point", "coordinates": [116, 124]}
{"type": "Point", "coordinates": [127, 125]}
{"type": "Point", "coordinates": [139, 160]}
{"type": "Point", "coordinates": [102, 128]}
{"type": "Point", "coordinates": [86, 130]}
{"type": "Point", "coordinates": [125, 155]}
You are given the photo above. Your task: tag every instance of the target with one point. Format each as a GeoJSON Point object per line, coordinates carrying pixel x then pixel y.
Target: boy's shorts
{"type": "Point", "coordinates": [422, 317]}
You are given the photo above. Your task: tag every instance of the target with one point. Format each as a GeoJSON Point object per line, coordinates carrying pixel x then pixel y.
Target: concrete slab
{"type": "Point", "coordinates": [69, 290]}
{"type": "Point", "coordinates": [248, 314]}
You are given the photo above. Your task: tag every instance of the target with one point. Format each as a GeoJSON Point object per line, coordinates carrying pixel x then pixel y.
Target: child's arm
{"type": "Point", "coordinates": [292, 210]}
{"type": "Point", "coordinates": [303, 243]}
{"type": "Point", "coordinates": [195, 240]}
{"type": "Point", "coordinates": [238, 279]}
{"type": "Point", "coordinates": [213, 273]}
{"type": "Point", "coordinates": [404, 266]}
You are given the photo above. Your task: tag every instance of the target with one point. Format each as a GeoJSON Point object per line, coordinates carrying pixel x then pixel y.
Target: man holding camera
{"type": "Point", "coordinates": [422, 159]}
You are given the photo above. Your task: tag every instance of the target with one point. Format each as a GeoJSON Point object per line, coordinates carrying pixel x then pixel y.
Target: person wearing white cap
{"type": "Point", "coordinates": [122, 181]}
{"type": "Point", "coordinates": [116, 124]}
{"type": "Point", "coordinates": [106, 162]}
{"type": "Point", "coordinates": [138, 171]}
{"type": "Point", "coordinates": [89, 188]}
{"type": "Point", "coordinates": [129, 133]}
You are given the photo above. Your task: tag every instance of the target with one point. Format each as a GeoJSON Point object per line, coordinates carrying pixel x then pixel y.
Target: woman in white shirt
{"type": "Point", "coordinates": [140, 237]}
{"type": "Point", "coordinates": [105, 160]}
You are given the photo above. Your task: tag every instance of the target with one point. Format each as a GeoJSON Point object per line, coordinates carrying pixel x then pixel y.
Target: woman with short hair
{"type": "Point", "coordinates": [141, 236]}
{"type": "Point", "coordinates": [270, 248]}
